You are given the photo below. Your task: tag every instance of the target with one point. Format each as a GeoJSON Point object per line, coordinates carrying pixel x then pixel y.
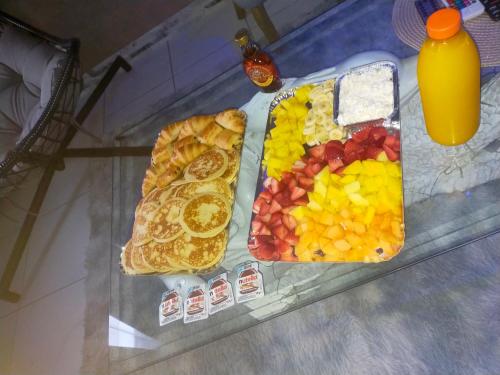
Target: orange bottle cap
{"type": "Point", "coordinates": [444, 23]}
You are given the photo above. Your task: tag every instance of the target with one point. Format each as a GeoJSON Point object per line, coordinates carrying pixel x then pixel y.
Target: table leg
{"type": "Point", "coordinates": [264, 22]}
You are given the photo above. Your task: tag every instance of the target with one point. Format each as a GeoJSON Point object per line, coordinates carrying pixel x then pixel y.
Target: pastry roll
{"type": "Point", "coordinates": [210, 133]}
{"type": "Point", "coordinates": [226, 139]}
{"type": "Point", "coordinates": [170, 173]}
{"type": "Point", "coordinates": [187, 153]}
{"type": "Point", "coordinates": [232, 119]}
{"type": "Point", "coordinates": [184, 141]}
{"type": "Point", "coordinates": [149, 181]}
{"type": "Point", "coordinates": [196, 124]}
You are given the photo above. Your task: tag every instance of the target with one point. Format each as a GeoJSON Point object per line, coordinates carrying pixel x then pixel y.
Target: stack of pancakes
{"type": "Point", "coordinates": [182, 227]}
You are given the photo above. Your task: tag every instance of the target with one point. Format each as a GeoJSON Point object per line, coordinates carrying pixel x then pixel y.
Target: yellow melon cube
{"type": "Point", "coordinates": [347, 179]}
{"type": "Point", "coordinates": [358, 199]}
{"type": "Point", "coordinates": [342, 245]}
{"type": "Point", "coordinates": [320, 189]}
{"type": "Point", "coordinates": [353, 239]}
{"type": "Point", "coordinates": [334, 232]}
{"type": "Point", "coordinates": [353, 187]}
{"type": "Point", "coordinates": [326, 218]}
{"type": "Point", "coordinates": [370, 213]}
{"type": "Point", "coordinates": [354, 168]}
{"type": "Point", "coordinates": [382, 156]}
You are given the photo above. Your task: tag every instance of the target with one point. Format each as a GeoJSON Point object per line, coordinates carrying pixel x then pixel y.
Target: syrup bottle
{"type": "Point", "coordinates": [257, 64]}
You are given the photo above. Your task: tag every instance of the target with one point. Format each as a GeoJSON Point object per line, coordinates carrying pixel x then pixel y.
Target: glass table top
{"type": "Point", "coordinates": [433, 226]}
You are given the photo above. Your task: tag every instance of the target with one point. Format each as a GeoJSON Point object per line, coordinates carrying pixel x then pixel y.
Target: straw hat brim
{"type": "Point", "coordinates": [409, 27]}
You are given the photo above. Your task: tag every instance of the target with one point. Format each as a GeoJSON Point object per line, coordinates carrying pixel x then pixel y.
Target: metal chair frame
{"type": "Point", "coordinates": [47, 143]}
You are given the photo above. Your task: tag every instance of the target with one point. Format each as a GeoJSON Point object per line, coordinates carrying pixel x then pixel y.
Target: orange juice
{"type": "Point", "coordinates": [449, 79]}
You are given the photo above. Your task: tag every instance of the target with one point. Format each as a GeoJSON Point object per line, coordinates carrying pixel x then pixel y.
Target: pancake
{"type": "Point", "coordinates": [165, 225]}
{"type": "Point", "coordinates": [126, 259]}
{"type": "Point", "coordinates": [158, 196]}
{"type": "Point", "coordinates": [155, 257]}
{"type": "Point", "coordinates": [143, 216]}
{"type": "Point", "coordinates": [207, 166]}
{"type": "Point", "coordinates": [137, 260]}
{"type": "Point", "coordinates": [233, 166]}
{"type": "Point", "coordinates": [191, 189]}
{"type": "Point", "coordinates": [205, 215]}
{"type": "Point", "coordinates": [202, 253]}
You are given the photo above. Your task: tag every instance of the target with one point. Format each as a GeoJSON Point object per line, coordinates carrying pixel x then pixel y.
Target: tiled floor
{"type": "Point", "coordinates": [43, 332]}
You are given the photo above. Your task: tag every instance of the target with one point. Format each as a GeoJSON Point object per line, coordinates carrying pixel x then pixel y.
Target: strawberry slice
{"type": "Point", "coordinates": [334, 150]}
{"type": "Point", "coordinates": [306, 182]}
{"type": "Point", "coordinates": [362, 135]}
{"type": "Point", "coordinates": [390, 141]}
{"type": "Point", "coordinates": [352, 147]}
{"type": "Point", "coordinates": [267, 252]}
{"type": "Point", "coordinates": [280, 231]}
{"type": "Point", "coordinates": [282, 199]}
{"type": "Point", "coordinates": [296, 193]}
{"type": "Point", "coordinates": [292, 184]}
{"type": "Point", "coordinates": [275, 207]}
{"type": "Point", "coordinates": [256, 226]}
{"type": "Point", "coordinates": [287, 176]}
{"type": "Point", "coordinates": [378, 135]}
{"type": "Point", "coordinates": [266, 195]}
{"type": "Point", "coordinates": [292, 239]}
{"type": "Point", "coordinates": [302, 201]}
{"type": "Point", "coordinates": [318, 152]}
{"type": "Point", "coordinates": [287, 210]}
{"type": "Point", "coordinates": [264, 207]}
{"type": "Point", "coordinates": [267, 182]}
{"type": "Point", "coordinates": [289, 222]}
{"type": "Point", "coordinates": [265, 218]}
{"type": "Point", "coordinates": [391, 154]}
{"type": "Point", "coordinates": [309, 171]}
{"type": "Point", "coordinates": [275, 186]}
{"type": "Point", "coordinates": [265, 231]}
{"type": "Point", "coordinates": [275, 219]}
{"type": "Point", "coordinates": [281, 246]}
{"type": "Point", "coordinates": [335, 164]}
{"type": "Point", "coordinates": [262, 239]}
{"type": "Point", "coordinates": [257, 205]}
{"type": "Point", "coordinates": [372, 152]}
{"type": "Point", "coordinates": [316, 168]}
{"type": "Point", "coordinates": [298, 166]}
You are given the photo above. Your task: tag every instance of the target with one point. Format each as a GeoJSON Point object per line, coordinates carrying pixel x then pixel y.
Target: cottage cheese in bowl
{"type": "Point", "coordinates": [366, 95]}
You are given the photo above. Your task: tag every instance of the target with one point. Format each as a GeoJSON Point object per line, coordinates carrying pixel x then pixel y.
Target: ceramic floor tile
{"type": "Point", "coordinates": [201, 35]}
{"type": "Point", "coordinates": [49, 334]}
{"type": "Point", "coordinates": [7, 334]}
{"type": "Point", "coordinates": [149, 69]}
{"type": "Point", "coordinates": [136, 111]}
{"type": "Point", "coordinates": [56, 250]}
{"type": "Point", "coordinates": [203, 71]}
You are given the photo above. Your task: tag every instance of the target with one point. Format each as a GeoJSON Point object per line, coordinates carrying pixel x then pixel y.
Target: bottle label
{"type": "Point", "coordinates": [260, 75]}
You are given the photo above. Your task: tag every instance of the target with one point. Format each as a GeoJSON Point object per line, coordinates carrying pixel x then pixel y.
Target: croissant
{"type": "Point", "coordinates": [226, 139]}
{"type": "Point", "coordinates": [149, 181]}
{"type": "Point", "coordinates": [188, 153]}
{"type": "Point", "coordinates": [171, 131]}
{"type": "Point", "coordinates": [184, 141]}
{"type": "Point", "coordinates": [232, 119]}
{"type": "Point", "coordinates": [170, 173]}
{"type": "Point", "coordinates": [196, 124]}
{"type": "Point", "coordinates": [161, 154]}
{"type": "Point", "coordinates": [210, 133]}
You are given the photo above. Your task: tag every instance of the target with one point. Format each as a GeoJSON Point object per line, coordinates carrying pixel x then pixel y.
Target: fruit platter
{"type": "Point", "coordinates": [328, 192]}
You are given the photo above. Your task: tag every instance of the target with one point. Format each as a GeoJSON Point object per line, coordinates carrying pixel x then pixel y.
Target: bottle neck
{"type": "Point", "coordinates": [249, 49]}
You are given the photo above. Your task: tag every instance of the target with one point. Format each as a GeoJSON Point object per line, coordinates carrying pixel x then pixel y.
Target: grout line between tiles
{"type": "Point", "coordinates": [42, 297]}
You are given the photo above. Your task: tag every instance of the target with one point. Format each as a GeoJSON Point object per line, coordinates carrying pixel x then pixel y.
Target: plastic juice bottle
{"type": "Point", "coordinates": [448, 73]}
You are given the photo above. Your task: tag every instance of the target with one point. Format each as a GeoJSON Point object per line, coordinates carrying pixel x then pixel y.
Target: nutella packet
{"type": "Point", "coordinates": [195, 304]}
{"type": "Point", "coordinates": [170, 307]}
{"type": "Point", "coordinates": [249, 282]}
{"type": "Point", "coordinates": [220, 294]}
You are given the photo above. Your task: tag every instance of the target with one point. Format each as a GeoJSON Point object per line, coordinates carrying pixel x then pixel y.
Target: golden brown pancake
{"type": "Point", "coordinates": [158, 196]}
{"type": "Point", "coordinates": [207, 166]}
{"type": "Point", "coordinates": [137, 260]}
{"type": "Point", "coordinates": [191, 189]}
{"type": "Point", "coordinates": [233, 166]}
{"type": "Point", "coordinates": [144, 215]}
{"type": "Point", "coordinates": [201, 253]}
{"type": "Point", "coordinates": [126, 259]}
{"type": "Point", "coordinates": [165, 225]}
{"type": "Point", "coordinates": [155, 257]}
{"type": "Point", "coordinates": [205, 215]}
